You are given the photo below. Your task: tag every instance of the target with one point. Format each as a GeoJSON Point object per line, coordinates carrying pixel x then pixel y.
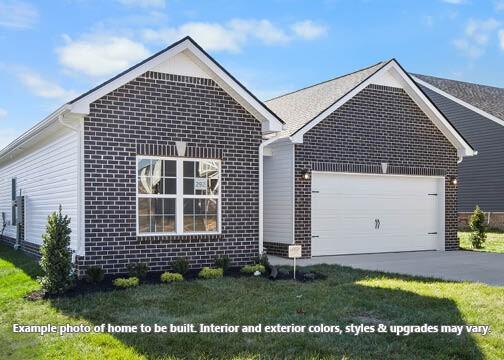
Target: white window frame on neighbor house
{"type": "Point", "coordinates": [179, 197]}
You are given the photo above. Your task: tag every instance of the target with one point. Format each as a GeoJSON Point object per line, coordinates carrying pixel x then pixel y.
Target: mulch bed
{"type": "Point", "coordinates": [83, 287]}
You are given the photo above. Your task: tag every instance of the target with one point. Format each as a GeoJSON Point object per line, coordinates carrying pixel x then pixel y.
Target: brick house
{"type": "Point", "coordinates": [174, 157]}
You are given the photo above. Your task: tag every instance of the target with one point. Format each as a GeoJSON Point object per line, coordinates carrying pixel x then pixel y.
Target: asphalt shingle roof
{"type": "Point", "coordinates": [299, 107]}
{"type": "Point", "coordinates": [487, 98]}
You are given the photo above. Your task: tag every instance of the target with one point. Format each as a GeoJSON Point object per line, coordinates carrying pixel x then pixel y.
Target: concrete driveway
{"type": "Point", "coordinates": [481, 267]}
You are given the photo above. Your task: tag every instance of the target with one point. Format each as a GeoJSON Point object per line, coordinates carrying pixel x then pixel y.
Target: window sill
{"type": "Point", "coordinates": [179, 237]}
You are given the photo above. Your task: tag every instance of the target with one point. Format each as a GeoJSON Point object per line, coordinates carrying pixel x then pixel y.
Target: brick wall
{"type": "Point", "coordinates": [380, 124]}
{"type": "Point", "coordinates": [146, 117]}
{"type": "Point", "coordinates": [27, 247]}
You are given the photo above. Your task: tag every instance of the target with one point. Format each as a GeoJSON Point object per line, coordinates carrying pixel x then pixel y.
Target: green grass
{"type": "Point", "coordinates": [347, 296]}
{"type": "Point", "coordinates": [493, 243]}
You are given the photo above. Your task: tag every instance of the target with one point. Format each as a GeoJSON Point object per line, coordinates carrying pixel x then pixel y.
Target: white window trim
{"type": "Point", "coordinates": [179, 196]}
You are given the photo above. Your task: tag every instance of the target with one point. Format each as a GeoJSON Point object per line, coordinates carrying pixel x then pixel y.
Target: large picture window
{"type": "Point", "coordinates": [177, 196]}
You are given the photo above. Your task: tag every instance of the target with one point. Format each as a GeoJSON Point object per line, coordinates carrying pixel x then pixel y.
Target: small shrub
{"type": "Point", "coordinates": [169, 277]}
{"type": "Point", "coordinates": [181, 265]}
{"type": "Point", "coordinates": [250, 269]}
{"type": "Point", "coordinates": [138, 270]}
{"type": "Point", "coordinates": [56, 255]}
{"type": "Point", "coordinates": [263, 260]}
{"type": "Point", "coordinates": [210, 273]}
{"type": "Point", "coordinates": [478, 228]}
{"type": "Point", "coordinates": [222, 262]}
{"type": "Point", "coordinates": [126, 282]}
{"type": "Point", "coordinates": [94, 274]}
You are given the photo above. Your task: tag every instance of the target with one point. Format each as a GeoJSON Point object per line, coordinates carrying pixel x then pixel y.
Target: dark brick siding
{"type": "Point", "coordinates": [380, 124]}
{"type": "Point", "coordinates": [146, 117]}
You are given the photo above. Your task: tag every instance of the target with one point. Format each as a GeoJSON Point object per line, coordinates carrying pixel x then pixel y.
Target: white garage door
{"type": "Point", "coordinates": [354, 214]}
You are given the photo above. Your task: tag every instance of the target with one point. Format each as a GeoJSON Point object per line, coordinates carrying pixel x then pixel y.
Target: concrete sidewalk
{"type": "Point", "coordinates": [474, 266]}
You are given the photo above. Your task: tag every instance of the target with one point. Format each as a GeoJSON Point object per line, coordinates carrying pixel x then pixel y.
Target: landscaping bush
{"type": "Point", "coordinates": [126, 282]}
{"type": "Point", "coordinates": [263, 260]}
{"type": "Point", "coordinates": [56, 255]}
{"type": "Point", "coordinates": [478, 228]}
{"type": "Point", "coordinates": [250, 269]}
{"type": "Point", "coordinates": [222, 262]}
{"type": "Point", "coordinates": [180, 265]}
{"type": "Point", "coordinates": [138, 270]}
{"type": "Point", "coordinates": [94, 274]}
{"type": "Point", "coordinates": [169, 277]}
{"type": "Point", "coordinates": [210, 273]}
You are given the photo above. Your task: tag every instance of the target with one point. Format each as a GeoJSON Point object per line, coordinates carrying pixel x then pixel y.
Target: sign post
{"type": "Point", "coordinates": [294, 253]}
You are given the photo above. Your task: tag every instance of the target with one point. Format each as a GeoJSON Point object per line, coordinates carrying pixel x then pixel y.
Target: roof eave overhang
{"type": "Point", "coordinates": [414, 91]}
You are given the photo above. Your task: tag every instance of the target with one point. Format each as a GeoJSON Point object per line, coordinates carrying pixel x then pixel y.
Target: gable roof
{"type": "Point", "coordinates": [80, 105]}
{"type": "Point", "coordinates": [304, 109]}
{"type": "Point", "coordinates": [299, 107]}
{"type": "Point", "coordinates": [485, 100]}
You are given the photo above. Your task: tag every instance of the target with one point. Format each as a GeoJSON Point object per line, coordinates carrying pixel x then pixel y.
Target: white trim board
{"type": "Point", "coordinates": [459, 101]}
{"type": "Point", "coordinates": [395, 70]}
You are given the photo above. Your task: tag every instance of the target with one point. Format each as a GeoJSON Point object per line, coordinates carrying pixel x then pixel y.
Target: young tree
{"type": "Point", "coordinates": [56, 255]}
{"type": "Point", "coordinates": [478, 228]}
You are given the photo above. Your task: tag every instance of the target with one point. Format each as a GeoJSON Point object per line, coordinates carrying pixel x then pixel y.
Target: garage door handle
{"type": "Point", "coordinates": [315, 236]}
{"type": "Point", "coordinates": [315, 191]}
{"type": "Point", "coordinates": [432, 233]}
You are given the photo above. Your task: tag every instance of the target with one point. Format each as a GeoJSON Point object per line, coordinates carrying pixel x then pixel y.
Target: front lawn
{"type": "Point", "coordinates": [347, 296]}
{"type": "Point", "coordinates": [493, 243]}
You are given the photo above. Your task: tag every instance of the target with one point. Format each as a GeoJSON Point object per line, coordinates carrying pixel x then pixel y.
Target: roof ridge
{"type": "Point", "coordinates": [326, 81]}
{"type": "Point", "coordinates": [459, 81]}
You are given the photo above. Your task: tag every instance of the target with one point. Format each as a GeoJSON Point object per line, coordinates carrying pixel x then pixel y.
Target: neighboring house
{"type": "Point", "coordinates": [159, 162]}
{"type": "Point", "coordinates": [168, 159]}
{"type": "Point", "coordinates": [477, 112]}
{"type": "Point", "coordinates": [367, 165]}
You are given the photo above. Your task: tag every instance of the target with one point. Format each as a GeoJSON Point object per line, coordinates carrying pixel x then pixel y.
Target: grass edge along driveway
{"type": "Point", "coordinates": [347, 296]}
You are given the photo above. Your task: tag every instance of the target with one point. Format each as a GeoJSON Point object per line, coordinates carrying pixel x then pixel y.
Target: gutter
{"type": "Point", "coordinates": [35, 130]}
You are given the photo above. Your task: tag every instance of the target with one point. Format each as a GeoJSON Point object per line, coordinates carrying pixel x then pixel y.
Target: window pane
{"type": "Point", "coordinates": [157, 168]}
{"type": "Point", "coordinates": [188, 206]}
{"type": "Point", "coordinates": [199, 223]}
{"type": "Point", "coordinates": [170, 186]}
{"type": "Point", "coordinates": [188, 223]}
{"type": "Point", "coordinates": [169, 223]}
{"type": "Point", "coordinates": [143, 207]}
{"type": "Point", "coordinates": [157, 206]}
{"type": "Point", "coordinates": [144, 224]}
{"type": "Point", "coordinates": [169, 206]}
{"type": "Point", "coordinates": [158, 224]}
{"type": "Point", "coordinates": [199, 206]}
{"type": "Point", "coordinates": [213, 187]}
{"type": "Point", "coordinates": [211, 206]}
{"type": "Point", "coordinates": [156, 186]}
{"type": "Point", "coordinates": [188, 168]}
{"type": "Point", "coordinates": [170, 168]}
{"type": "Point", "coordinates": [211, 223]}
{"type": "Point", "coordinates": [189, 186]}
{"type": "Point", "coordinates": [144, 167]}
{"type": "Point", "coordinates": [144, 185]}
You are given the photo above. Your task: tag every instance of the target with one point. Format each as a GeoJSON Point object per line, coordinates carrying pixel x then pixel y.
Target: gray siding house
{"type": "Point", "coordinates": [477, 112]}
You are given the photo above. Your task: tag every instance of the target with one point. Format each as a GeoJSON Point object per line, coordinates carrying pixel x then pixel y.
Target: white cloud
{"type": "Point", "coordinates": [501, 39]}
{"type": "Point", "coordinates": [144, 3]}
{"type": "Point", "coordinates": [39, 86]}
{"type": "Point", "coordinates": [100, 55]}
{"type": "Point", "coordinates": [17, 15]}
{"type": "Point", "coordinates": [3, 113]}
{"type": "Point", "coordinates": [309, 30]}
{"type": "Point", "coordinates": [234, 34]}
{"type": "Point", "coordinates": [476, 36]}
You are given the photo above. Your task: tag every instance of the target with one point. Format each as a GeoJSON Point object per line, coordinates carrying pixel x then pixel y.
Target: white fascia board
{"type": "Point", "coordinates": [459, 101]}
{"type": "Point", "coordinates": [463, 148]}
{"type": "Point", "coordinates": [269, 121]}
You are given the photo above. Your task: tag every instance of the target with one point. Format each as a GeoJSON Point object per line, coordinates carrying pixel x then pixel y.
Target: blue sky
{"type": "Point", "coordinates": [54, 50]}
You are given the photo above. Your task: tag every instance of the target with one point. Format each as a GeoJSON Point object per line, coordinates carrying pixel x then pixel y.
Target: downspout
{"type": "Point", "coordinates": [77, 129]}
{"type": "Point", "coordinates": [261, 190]}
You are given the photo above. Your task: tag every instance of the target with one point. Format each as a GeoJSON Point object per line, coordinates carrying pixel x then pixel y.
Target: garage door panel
{"type": "Point", "coordinates": [345, 209]}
